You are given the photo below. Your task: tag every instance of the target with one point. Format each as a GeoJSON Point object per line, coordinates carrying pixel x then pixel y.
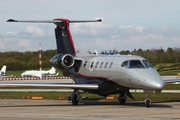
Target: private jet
{"type": "Point", "coordinates": [39, 73]}
{"type": "Point", "coordinates": [98, 74]}
{"type": "Point", "coordinates": [3, 72]}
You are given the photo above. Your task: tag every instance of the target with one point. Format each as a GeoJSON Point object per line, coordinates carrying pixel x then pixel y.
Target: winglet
{"type": "Point", "coordinates": [100, 20]}
{"type": "Point", "coordinates": [11, 20]}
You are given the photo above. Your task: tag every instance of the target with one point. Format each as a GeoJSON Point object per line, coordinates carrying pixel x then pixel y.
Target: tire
{"type": "Point", "coordinates": [148, 103]}
{"type": "Point", "coordinates": [122, 101]}
{"type": "Point", "coordinates": [75, 100]}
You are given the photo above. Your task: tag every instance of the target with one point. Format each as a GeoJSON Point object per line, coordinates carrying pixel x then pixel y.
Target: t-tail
{"type": "Point", "coordinates": [64, 41]}
{"type": "Point", "coordinates": [64, 60]}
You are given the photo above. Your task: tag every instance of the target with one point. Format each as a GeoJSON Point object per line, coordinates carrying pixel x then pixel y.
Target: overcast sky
{"type": "Point", "coordinates": [127, 24]}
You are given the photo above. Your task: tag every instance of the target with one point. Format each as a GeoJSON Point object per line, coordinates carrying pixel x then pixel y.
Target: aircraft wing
{"type": "Point", "coordinates": [171, 80]}
{"type": "Point", "coordinates": [61, 85]}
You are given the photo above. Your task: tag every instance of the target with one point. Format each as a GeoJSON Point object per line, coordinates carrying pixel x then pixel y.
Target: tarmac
{"type": "Point", "coordinates": [26, 109]}
{"type": "Point", "coordinates": [86, 110]}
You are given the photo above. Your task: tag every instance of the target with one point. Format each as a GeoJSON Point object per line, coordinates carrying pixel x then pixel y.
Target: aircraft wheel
{"type": "Point", "coordinates": [148, 103]}
{"type": "Point", "coordinates": [75, 100]}
{"type": "Point", "coordinates": [122, 99]}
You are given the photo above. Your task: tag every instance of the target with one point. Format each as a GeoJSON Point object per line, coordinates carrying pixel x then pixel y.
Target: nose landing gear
{"type": "Point", "coordinates": [147, 101]}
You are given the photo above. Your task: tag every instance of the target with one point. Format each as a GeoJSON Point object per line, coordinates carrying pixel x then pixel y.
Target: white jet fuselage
{"type": "Point", "coordinates": [111, 68]}
{"type": "Point", "coordinates": [38, 73]}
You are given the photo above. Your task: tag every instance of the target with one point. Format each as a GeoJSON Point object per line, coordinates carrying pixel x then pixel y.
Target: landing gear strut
{"type": "Point", "coordinates": [75, 100]}
{"type": "Point", "coordinates": [122, 99]}
{"type": "Point", "coordinates": [74, 97]}
{"type": "Point", "coordinates": [147, 100]}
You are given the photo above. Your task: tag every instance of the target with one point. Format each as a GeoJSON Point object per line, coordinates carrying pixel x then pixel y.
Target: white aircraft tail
{"type": "Point", "coordinates": [52, 71]}
{"type": "Point", "coordinates": [3, 70]}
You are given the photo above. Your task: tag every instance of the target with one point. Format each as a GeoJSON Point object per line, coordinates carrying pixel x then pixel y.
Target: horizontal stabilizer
{"type": "Point", "coordinates": [53, 21]}
{"type": "Point", "coordinates": [78, 21]}
{"type": "Point", "coordinates": [34, 21]}
{"type": "Point", "coordinates": [61, 85]}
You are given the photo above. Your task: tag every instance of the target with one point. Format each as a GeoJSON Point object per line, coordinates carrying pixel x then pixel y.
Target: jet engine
{"type": "Point", "coordinates": [62, 61]}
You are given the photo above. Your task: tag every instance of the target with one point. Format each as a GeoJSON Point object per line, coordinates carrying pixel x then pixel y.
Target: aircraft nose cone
{"type": "Point", "coordinates": [159, 84]}
{"type": "Point", "coordinates": [156, 84]}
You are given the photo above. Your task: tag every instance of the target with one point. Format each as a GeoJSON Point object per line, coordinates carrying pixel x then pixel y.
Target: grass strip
{"type": "Point", "coordinates": [158, 97]}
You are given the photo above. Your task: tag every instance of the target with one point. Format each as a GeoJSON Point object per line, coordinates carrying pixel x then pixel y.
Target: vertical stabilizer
{"type": "Point", "coordinates": [52, 71]}
{"type": "Point", "coordinates": [64, 41]}
{"type": "Point", "coordinates": [65, 44]}
{"type": "Point", "coordinates": [3, 70]}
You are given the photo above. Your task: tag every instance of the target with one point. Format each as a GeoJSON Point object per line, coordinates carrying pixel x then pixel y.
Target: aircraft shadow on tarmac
{"type": "Point", "coordinates": [92, 103]}
{"type": "Point", "coordinates": [116, 103]}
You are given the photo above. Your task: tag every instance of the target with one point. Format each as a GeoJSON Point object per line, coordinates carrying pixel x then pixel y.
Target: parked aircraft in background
{"type": "Point", "coordinates": [53, 75]}
{"type": "Point", "coordinates": [39, 73]}
{"type": "Point", "coordinates": [3, 70]}
{"type": "Point", "coordinates": [98, 74]}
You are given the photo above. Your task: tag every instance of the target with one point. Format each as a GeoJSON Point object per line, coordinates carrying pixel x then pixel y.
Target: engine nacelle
{"type": "Point", "coordinates": [62, 61]}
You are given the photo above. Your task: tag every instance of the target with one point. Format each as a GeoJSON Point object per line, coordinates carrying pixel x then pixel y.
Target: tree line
{"type": "Point", "coordinates": [30, 59]}
{"type": "Point", "coordinates": [170, 55]}
{"type": "Point", "coordinates": [26, 60]}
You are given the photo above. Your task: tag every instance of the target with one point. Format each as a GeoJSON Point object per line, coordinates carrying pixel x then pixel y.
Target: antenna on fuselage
{"type": "Point", "coordinates": [96, 52]}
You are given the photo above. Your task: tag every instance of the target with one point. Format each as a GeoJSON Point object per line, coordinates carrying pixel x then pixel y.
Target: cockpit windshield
{"type": "Point", "coordinates": [135, 64]}
{"type": "Point", "coordinates": [124, 64]}
{"type": "Point", "coordinates": [147, 64]}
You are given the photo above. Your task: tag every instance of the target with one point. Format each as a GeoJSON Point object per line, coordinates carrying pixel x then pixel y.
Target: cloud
{"type": "Point", "coordinates": [16, 44]}
{"type": "Point", "coordinates": [91, 36]}
{"type": "Point", "coordinates": [92, 29]}
{"type": "Point", "coordinates": [28, 39]}
{"type": "Point", "coordinates": [10, 34]}
{"type": "Point", "coordinates": [24, 43]}
{"type": "Point", "coordinates": [35, 31]}
{"type": "Point", "coordinates": [129, 30]}
{"type": "Point", "coordinates": [126, 37]}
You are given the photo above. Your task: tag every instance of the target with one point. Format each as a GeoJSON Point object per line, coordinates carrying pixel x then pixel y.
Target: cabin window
{"type": "Point", "coordinates": [85, 63]}
{"type": "Point", "coordinates": [92, 64]}
{"type": "Point", "coordinates": [97, 64]}
{"type": "Point", "coordinates": [136, 64]}
{"type": "Point", "coordinates": [110, 66]}
{"type": "Point", "coordinates": [101, 64]}
{"type": "Point", "coordinates": [106, 65]}
{"type": "Point", "coordinates": [124, 64]}
{"type": "Point", "coordinates": [147, 64]}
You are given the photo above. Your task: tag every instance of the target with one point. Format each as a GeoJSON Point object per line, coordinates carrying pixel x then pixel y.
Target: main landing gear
{"type": "Point", "coordinates": [122, 99]}
{"type": "Point", "coordinates": [147, 100]}
{"type": "Point", "coordinates": [75, 100]}
{"type": "Point", "coordinates": [74, 97]}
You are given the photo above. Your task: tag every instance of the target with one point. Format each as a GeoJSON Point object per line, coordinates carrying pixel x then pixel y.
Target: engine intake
{"type": "Point", "coordinates": [62, 61]}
